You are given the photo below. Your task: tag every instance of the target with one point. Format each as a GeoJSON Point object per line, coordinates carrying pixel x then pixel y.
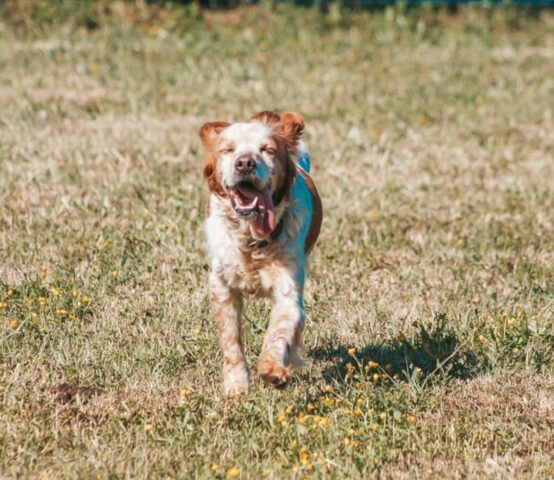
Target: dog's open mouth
{"type": "Point", "coordinates": [251, 202]}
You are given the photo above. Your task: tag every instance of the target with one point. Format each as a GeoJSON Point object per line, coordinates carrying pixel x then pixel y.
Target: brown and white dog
{"type": "Point", "coordinates": [264, 217]}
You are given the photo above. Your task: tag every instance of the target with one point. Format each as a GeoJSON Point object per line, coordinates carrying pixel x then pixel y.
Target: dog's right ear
{"type": "Point", "coordinates": [210, 131]}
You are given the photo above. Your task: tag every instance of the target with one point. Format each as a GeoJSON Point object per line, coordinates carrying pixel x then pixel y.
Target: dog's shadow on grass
{"type": "Point", "coordinates": [433, 353]}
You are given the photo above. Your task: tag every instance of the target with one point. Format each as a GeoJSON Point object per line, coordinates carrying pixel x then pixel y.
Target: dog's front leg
{"type": "Point", "coordinates": [284, 335]}
{"type": "Point", "coordinates": [228, 310]}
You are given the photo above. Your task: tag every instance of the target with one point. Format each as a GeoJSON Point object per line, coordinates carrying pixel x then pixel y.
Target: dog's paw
{"type": "Point", "coordinates": [274, 374]}
{"type": "Point", "coordinates": [235, 389]}
{"type": "Point", "coordinates": [236, 382]}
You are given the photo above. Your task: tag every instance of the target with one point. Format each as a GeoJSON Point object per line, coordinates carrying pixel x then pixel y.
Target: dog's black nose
{"type": "Point", "coordinates": [245, 164]}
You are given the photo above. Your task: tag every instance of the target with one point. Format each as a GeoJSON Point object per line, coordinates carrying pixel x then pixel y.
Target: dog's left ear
{"type": "Point", "coordinates": [291, 126]}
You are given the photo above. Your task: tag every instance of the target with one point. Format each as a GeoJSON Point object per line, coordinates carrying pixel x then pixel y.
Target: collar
{"type": "Point", "coordinates": [278, 196]}
{"type": "Point", "coordinates": [274, 235]}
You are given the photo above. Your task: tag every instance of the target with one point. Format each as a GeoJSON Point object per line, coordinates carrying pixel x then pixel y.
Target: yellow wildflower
{"type": "Point", "coordinates": [148, 427]}
{"type": "Point", "coordinates": [352, 351]}
{"type": "Point", "coordinates": [329, 388]}
{"type": "Point", "coordinates": [214, 467]}
{"type": "Point", "coordinates": [310, 407]}
{"type": "Point", "coordinates": [411, 419]}
{"type": "Point", "coordinates": [302, 417]}
{"type": "Point", "coordinates": [233, 472]}
{"type": "Point", "coordinates": [14, 324]}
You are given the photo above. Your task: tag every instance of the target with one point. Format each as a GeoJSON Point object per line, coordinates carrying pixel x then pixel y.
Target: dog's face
{"type": "Point", "coordinates": [250, 164]}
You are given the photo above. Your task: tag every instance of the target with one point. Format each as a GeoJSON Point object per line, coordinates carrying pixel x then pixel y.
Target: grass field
{"type": "Point", "coordinates": [430, 332]}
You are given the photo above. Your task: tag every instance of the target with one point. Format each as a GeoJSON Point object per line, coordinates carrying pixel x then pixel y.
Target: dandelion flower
{"type": "Point", "coordinates": [352, 351]}
{"type": "Point", "coordinates": [329, 388]}
{"type": "Point", "coordinates": [325, 422]}
{"type": "Point", "coordinates": [233, 472]}
{"type": "Point", "coordinates": [302, 417]}
{"type": "Point", "coordinates": [14, 324]}
{"type": "Point", "coordinates": [411, 419]}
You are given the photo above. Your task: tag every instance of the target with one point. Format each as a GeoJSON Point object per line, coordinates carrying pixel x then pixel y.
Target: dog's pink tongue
{"type": "Point", "coordinates": [265, 221]}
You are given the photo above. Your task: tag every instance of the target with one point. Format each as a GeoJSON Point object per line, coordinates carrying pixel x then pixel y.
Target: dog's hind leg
{"type": "Point", "coordinates": [228, 310]}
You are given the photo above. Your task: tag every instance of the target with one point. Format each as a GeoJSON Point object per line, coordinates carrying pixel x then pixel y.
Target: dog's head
{"type": "Point", "coordinates": [251, 164]}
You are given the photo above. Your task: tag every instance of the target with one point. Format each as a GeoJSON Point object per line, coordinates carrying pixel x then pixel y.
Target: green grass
{"type": "Point", "coordinates": [430, 332]}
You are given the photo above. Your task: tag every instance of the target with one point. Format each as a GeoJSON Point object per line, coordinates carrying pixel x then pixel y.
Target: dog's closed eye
{"type": "Point", "coordinates": [226, 150]}
{"type": "Point", "coordinates": [267, 149]}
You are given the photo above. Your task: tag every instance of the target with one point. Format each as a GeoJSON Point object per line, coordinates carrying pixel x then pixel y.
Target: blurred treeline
{"type": "Point", "coordinates": [34, 16]}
